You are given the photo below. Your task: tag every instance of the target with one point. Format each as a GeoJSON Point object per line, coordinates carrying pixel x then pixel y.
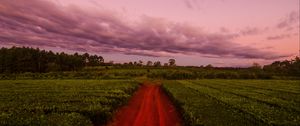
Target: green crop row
{"type": "Point", "coordinates": [62, 102]}
{"type": "Point", "coordinates": [169, 73]}
{"type": "Point", "coordinates": [247, 93]}
{"type": "Point", "coordinates": [260, 88]}
{"type": "Point", "coordinates": [246, 97]}
{"type": "Point", "coordinates": [198, 109]}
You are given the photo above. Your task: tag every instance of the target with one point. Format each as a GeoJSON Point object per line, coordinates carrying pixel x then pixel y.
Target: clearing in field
{"type": "Point", "coordinates": [149, 106]}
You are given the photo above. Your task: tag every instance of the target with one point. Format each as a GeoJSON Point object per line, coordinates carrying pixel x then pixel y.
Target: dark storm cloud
{"type": "Point", "coordinates": [45, 24]}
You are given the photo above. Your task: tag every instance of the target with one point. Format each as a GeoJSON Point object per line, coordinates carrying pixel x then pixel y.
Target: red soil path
{"type": "Point", "coordinates": [149, 106]}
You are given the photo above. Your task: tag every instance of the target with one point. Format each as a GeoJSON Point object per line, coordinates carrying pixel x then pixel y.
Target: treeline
{"type": "Point", "coordinates": [286, 67]}
{"type": "Point", "coordinates": [24, 59]}
{"type": "Point", "coordinates": [26, 63]}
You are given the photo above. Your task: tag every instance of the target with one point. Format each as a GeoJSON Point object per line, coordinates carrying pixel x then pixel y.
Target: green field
{"type": "Point", "coordinates": [237, 102]}
{"type": "Point", "coordinates": [62, 102]}
{"type": "Point", "coordinates": [201, 102]}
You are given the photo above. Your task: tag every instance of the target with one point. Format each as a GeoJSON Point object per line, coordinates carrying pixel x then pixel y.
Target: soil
{"type": "Point", "coordinates": [149, 106]}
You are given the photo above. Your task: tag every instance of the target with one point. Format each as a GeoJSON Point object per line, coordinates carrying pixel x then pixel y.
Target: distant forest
{"type": "Point", "coordinates": [34, 60]}
{"type": "Point", "coordinates": [18, 60]}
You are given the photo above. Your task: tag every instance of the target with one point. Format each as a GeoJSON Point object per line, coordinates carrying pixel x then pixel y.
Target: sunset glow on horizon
{"type": "Point", "coordinates": [223, 33]}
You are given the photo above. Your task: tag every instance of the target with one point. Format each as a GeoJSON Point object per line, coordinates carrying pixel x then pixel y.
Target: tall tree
{"type": "Point", "coordinates": [140, 63]}
{"type": "Point", "coordinates": [157, 64]}
{"type": "Point", "coordinates": [149, 63]}
{"type": "Point", "coordinates": [24, 59]}
{"type": "Point", "coordinates": [172, 62]}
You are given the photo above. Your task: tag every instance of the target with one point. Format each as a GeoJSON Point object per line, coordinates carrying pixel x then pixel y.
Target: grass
{"type": "Point", "coordinates": [62, 102]}
{"type": "Point", "coordinates": [237, 102]}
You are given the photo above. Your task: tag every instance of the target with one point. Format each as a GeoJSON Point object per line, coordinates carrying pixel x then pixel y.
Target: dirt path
{"type": "Point", "coordinates": [149, 106]}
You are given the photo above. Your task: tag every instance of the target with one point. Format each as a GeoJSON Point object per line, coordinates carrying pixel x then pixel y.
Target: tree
{"type": "Point", "coordinates": [286, 67]}
{"type": "Point", "coordinates": [95, 60]}
{"type": "Point", "coordinates": [209, 66]}
{"type": "Point", "coordinates": [110, 63]}
{"type": "Point", "coordinates": [25, 59]}
{"type": "Point", "coordinates": [86, 58]}
{"type": "Point", "coordinates": [140, 63]}
{"type": "Point", "coordinates": [130, 64]}
{"type": "Point", "coordinates": [135, 63]}
{"type": "Point", "coordinates": [149, 63]}
{"type": "Point", "coordinates": [166, 64]}
{"type": "Point", "coordinates": [157, 64]}
{"type": "Point", "coordinates": [256, 66]}
{"type": "Point", "coordinates": [172, 62]}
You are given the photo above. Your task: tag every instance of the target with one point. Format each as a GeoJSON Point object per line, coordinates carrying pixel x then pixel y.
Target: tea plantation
{"type": "Point", "coordinates": [62, 102]}
{"type": "Point", "coordinates": [237, 102]}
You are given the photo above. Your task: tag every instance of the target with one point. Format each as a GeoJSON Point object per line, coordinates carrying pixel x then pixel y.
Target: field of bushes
{"type": "Point", "coordinates": [237, 102]}
{"type": "Point", "coordinates": [207, 102]}
{"type": "Point", "coordinates": [62, 102]}
{"type": "Point", "coordinates": [171, 73]}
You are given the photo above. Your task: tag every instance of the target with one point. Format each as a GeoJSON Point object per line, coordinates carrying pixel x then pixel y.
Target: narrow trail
{"type": "Point", "coordinates": [149, 106]}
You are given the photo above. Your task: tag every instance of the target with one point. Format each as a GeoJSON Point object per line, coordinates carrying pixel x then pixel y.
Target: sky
{"type": "Point", "coordinates": [224, 33]}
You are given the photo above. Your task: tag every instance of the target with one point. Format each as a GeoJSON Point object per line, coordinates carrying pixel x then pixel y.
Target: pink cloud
{"type": "Point", "coordinates": [43, 23]}
{"type": "Point", "coordinates": [289, 21]}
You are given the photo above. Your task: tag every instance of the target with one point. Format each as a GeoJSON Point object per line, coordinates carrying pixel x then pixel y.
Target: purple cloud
{"type": "Point", "coordinates": [278, 37]}
{"type": "Point", "coordinates": [45, 24]}
{"type": "Point", "coordinates": [289, 21]}
{"type": "Point", "coordinates": [188, 4]}
{"type": "Point", "coordinates": [250, 31]}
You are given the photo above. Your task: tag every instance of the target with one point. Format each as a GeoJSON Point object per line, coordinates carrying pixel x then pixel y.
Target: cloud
{"type": "Point", "coordinates": [290, 21]}
{"type": "Point", "coordinates": [192, 4]}
{"type": "Point", "coordinates": [278, 37]}
{"type": "Point", "coordinates": [46, 24]}
{"type": "Point", "coordinates": [197, 4]}
{"type": "Point", "coordinates": [224, 30]}
{"type": "Point", "coordinates": [250, 31]}
{"type": "Point", "coordinates": [188, 4]}
{"type": "Point", "coordinates": [246, 31]}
